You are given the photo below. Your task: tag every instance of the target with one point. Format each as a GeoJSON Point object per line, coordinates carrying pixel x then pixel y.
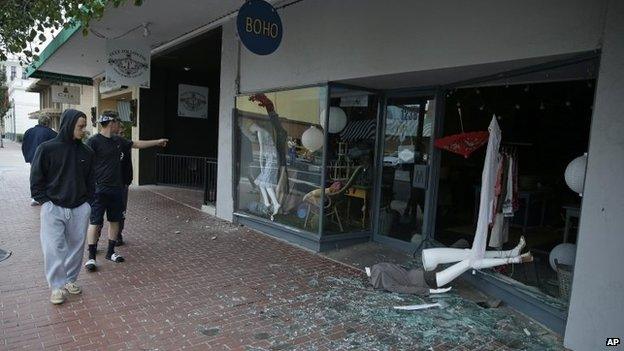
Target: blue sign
{"type": "Point", "coordinates": [259, 27]}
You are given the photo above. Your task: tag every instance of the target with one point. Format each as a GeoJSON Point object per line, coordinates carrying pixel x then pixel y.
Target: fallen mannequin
{"type": "Point", "coordinates": [395, 278]}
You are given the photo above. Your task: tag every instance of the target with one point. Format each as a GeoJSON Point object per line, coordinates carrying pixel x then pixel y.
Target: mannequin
{"type": "Point", "coordinates": [477, 257]}
{"type": "Point", "coordinates": [268, 177]}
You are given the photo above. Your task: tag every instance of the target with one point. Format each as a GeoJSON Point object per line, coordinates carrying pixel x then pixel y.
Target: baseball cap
{"type": "Point", "coordinates": [108, 116]}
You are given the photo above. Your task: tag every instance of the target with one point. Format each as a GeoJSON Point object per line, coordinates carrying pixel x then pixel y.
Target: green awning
{"type": "Point", "coordinates": [33, 69]}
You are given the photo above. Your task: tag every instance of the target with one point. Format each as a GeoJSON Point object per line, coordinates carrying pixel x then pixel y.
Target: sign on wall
{"type": "Point", "coordinates": [192, 101]}
{"type": "Point", "coordinates": [259, 27]}
{"type": "Point", "coordinates": [65, 94]}
{"type": "Point", "coordinates": [127, 63]}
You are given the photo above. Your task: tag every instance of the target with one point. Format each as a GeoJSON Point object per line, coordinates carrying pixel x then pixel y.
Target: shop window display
{"type": "Point", "coordinates": [280, 152]}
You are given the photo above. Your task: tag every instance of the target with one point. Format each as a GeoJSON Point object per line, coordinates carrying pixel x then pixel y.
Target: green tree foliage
{"type": "Point", "coordinates": [23, 23]}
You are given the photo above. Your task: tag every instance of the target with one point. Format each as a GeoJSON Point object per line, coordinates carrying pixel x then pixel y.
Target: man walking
{"type": "Point", "coordinates": [33, 138]}
{"type": "Point", "coordinates": [126, 176]}
{"type": "Point", "coordinates": [109, 154]}
{"type": "Point", "coordinates": [61, 178]}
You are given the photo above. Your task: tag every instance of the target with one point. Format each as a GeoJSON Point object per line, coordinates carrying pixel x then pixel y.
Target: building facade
{"type": "Point", "coordinates": [22, 102]}
{"type": "Point", "coordinates": [362, 92]}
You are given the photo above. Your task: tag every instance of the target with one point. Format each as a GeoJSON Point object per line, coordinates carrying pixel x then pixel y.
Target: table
{"type": "Point", "coordinates": [358, 192]}
{"type": "Point", "coordinates": [570, 212]}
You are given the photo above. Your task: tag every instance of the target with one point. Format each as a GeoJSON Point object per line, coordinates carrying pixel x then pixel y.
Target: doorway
{"type": "Point", "coordinates": [405, 166]}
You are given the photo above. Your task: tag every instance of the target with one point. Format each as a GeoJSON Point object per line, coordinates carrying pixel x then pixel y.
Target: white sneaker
{"type": "Point", "coordinates": [73, 288]}
{"type": "Point", "coordinates": [115, 257]}
{"type": "Point", "coordinates": [368, 271]}
{"type": "Point", "coordinates": [90, 265]}
{"type": "Point", "coordinates": [58, 296]}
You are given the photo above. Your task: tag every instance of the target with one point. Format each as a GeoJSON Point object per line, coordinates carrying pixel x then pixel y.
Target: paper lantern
{"type": "Point", "coordinates": [312, 139]}
{"type": "Point", "coordinates": [337, 120]}
{"type": "Point", "coordinates": [575, 174]}
{"type": "Point", "coordinates": [564, 254]}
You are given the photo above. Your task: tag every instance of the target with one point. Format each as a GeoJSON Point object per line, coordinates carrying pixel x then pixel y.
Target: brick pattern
{"type": "Point", "coordinates": [191, 282]}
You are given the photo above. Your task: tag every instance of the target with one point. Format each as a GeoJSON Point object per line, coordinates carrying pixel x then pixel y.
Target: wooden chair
{"type": "Point", "coordinates": [332, 200]}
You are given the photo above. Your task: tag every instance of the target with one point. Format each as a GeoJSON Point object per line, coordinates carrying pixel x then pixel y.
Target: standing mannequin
{"type": "Point", "coordinates": [268, 177]}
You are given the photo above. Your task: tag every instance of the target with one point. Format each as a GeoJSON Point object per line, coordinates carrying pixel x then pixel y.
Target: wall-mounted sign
{"type": "Point", "coordinates": [106, 87]}
{"type": "Point", "coordinates": [259, 27]}
{"type": "Point", "coordinates": [192, 101]}
{"type": "Point", "coordinates": [127, 63]}
{"type": "Point", "coordinates": [65, 94]}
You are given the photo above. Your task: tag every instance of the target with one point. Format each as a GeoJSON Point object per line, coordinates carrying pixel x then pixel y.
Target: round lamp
{"type": "Point", "coordinates": [575, 174]}
{"type": "Point", "coordinates": [564, 254]}
{"type": "Point", "coordinates": [312, 139]}
{"type": "Point", "coordinates": [337, 120]}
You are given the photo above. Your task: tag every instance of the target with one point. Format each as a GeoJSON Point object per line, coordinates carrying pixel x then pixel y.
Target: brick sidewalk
{"type": "Point", "coordinates": [191, 281]}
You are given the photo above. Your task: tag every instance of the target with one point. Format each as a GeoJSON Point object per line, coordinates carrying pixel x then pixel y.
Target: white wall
{"type": "Point", "coordinates": [332, 40]}
{"type": "Point", "coordinates": [597, 301]}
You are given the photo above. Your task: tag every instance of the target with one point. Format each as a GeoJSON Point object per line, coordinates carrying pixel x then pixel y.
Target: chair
{"type": "Point", "coordinates": [332, 200]}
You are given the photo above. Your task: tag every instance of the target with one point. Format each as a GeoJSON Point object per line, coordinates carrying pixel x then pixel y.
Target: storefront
{"type": "Point", "coordinates": [360, 92]}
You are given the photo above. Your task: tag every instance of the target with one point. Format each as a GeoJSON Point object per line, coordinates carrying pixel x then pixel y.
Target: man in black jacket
{"type": "Point", "coordinates": [61, 178]}
{"type": "Point", "coordinates": [33, 138]}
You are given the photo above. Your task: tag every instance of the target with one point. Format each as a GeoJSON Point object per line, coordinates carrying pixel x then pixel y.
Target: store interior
{"type": "Point", "coordinates": [544, 127]}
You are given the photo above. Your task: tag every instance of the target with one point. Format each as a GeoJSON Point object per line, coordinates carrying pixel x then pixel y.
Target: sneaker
{"type": "Point", "coordinates": [34, 202]}
{"type": "Point", "coordinates": [90, 265]}
{"type": "Point", "coordinates": [73, 288]}
{"type": "Point", "coordinates": [58, 296]}
{"type": "Point", "coordinates": [115, 257]}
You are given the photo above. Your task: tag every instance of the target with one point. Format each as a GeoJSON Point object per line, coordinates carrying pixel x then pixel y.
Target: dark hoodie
{"type": "Point", "coordinates": [62, 169]}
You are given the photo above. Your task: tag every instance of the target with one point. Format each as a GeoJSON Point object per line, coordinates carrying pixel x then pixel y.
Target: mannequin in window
{"type": "Point", "coordinates": [268, 177]}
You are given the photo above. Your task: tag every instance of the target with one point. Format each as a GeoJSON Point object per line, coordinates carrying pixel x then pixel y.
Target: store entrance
{"type": "Point", "coordinates": [406, 159]}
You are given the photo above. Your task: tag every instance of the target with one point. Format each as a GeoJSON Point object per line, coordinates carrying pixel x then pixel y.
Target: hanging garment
{"type": "Point", "coordinates": [508, 203]}
{"type": "Point", "coordinates": [488, 179]}
{"type": "Point", "coordinates": [268, 160]}
{"type": "Point", "coordinates": [394, 278]}
{"type": "Point", "coordinates": [500, 231]}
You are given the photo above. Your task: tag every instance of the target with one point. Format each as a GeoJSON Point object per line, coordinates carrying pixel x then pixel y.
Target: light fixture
{"type": "Point", "coordinates": [337, 119]}
{"type": "Point", "coordinates": [312, 139]}
{"type": "Point", "coordinates": [187, 68]}
{"type": "Point", "coordinates": [575, 174]}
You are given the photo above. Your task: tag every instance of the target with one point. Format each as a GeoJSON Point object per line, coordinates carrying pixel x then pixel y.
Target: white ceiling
{"type": "Point", "coordinates": [82, 55]}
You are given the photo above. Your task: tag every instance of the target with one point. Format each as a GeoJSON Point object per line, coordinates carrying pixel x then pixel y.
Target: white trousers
{"type": "Point", "coordinates": [63, 233]}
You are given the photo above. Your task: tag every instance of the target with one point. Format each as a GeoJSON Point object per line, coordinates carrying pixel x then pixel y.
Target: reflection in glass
{"type": "Point", "coordinates": [406, 161]}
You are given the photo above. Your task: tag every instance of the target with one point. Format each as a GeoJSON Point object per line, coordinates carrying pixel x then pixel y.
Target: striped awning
{"type": "Point", "coordinates": [359, 130]}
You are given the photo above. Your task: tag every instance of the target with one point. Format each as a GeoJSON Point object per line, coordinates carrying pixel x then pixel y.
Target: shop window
{"type": "Point", "coordinates": [351, 132]}
{"type": "Point", "coordinates": [13, 73]}
{"type": "Point", "coordinates": [280, 155]}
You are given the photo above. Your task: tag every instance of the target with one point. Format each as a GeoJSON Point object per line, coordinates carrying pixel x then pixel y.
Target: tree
{"type": "Point", "coordinates": [25, 24]}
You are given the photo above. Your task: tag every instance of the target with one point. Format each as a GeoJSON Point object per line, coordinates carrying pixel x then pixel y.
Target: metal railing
{"type": "Point", "coordinates": [188, 172]}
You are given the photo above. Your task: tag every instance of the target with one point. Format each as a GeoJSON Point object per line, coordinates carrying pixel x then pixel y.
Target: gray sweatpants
{"type": "Point", "coordinates": [63, 233]}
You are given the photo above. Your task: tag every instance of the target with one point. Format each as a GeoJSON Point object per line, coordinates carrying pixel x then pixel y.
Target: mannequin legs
{"type": "Point", "coordinates": [431, 258]}
{"type": "Point", "coordinates": [448, 275]}
{"type": "Point", "coordinates": [270, 199]}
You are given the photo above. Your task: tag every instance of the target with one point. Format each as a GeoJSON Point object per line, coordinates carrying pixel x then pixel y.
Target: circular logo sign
{"type": "Point", "coordinates": [128, 63]}
{"type": "Point", "coordinates": [259, 27]}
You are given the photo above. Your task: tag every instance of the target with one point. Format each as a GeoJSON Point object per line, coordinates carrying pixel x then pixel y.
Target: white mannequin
{"type": "Point", "coordinates": [267, 180]}
{"type": "Point", "coordinates": [477, 257]}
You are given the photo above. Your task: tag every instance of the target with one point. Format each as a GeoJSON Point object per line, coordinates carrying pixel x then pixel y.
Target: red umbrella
{"type": "Point", "coordinates": [463, 143]}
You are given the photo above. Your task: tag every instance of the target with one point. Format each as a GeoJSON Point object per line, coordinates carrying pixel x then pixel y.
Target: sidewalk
{"type": "Point", "coordinates": [191, 281]}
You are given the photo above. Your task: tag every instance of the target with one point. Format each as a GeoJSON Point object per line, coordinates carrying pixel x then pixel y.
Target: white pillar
{"type": "Point", "coordinates": [225, 199]}
{"type": "Point", "coordinates": [597, 302]}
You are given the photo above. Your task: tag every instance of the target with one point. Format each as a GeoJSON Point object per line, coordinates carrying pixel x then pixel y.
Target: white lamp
{"type": "Point", "coordinates": [337, 119]}
{"type": "Point", "coordinates": [564, 254]}
{"type": "Point", "coordinates": [575, 174]}
{"type": "Point", "coordinates": [312, 139]}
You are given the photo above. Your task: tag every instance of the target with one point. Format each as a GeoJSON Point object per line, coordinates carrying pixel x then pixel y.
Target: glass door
{"type": "Point", "coordinates": [406, 162]}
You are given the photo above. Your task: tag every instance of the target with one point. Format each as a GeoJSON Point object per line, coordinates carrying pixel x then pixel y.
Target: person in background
{"type": "Point", "coordinates": [108, 199]}
{"type": "Point", "coordinates": [33, 138]}
{"type": "Point", "coordinates": [61, 178]}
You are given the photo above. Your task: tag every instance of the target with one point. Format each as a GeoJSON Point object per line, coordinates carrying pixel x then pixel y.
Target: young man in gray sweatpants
{"type": "Point", "coordinates": [61, 178]}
